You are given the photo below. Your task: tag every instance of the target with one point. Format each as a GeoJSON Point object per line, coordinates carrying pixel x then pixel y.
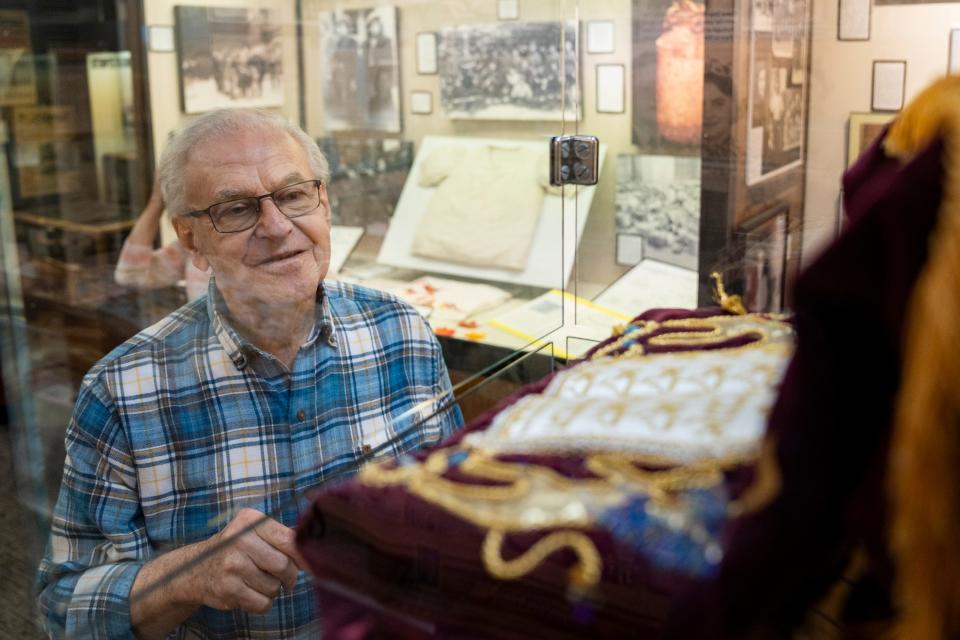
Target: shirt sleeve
{"type": "Point", "coordinates": [448, 414]}
{"type": "Point", "coordinates": [144, 267]}
{"type": "Point", "coordinates": [98, 542]}
{"type": "Point", "coordinates": [438, 165]}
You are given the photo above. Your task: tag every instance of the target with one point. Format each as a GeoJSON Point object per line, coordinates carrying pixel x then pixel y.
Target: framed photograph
{"type": "Point", "coordinates": [18, 78]}
{"type": "Point", "coordinates": [361, 69]}
{"type": "Point", "coordinates": [776, 99]}
{"type": "Point", "coordinates": [508, 9]}
{"type": "Point", "coordinates": [507, 87]}
{"type": "Point", "coordinates": [658, 201]}
{"type": "Point", "coordinates": [668, 77]}
{"type": "Point", "coordinates": [953, 59]}
{"type": "Point", "coordinates": [764, 242]}
{"type": "Point", "coordinates": [427, 53]}
{"type": "Point", "coordinates": [610, 95]}
{"type": "Point", "coordinates": [421, 102]}
{"type": "Point", "coordinates": [600, 36]}
{"type": "Point", "coordinates": [160, 38]}
{"type": "Point", "coordinates": [889, 85]}
{"type": "Point", "coordinates": [228, 58]}
{"type": "Point", "coordinates": [864, 129]}
{"type": "Point", "coordinates": [853, 19]}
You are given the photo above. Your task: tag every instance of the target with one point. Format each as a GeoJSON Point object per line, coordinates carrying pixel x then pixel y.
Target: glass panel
{"type": "Point", "coordinates": [724, 128]}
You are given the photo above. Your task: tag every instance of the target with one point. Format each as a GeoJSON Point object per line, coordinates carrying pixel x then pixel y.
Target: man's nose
{"type": "Point", "coordinates": [272, 221]}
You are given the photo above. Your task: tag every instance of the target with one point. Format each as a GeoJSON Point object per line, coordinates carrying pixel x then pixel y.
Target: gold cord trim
{"type": "Point", "coordinates": [730, 303]}
{"type": "Point", "coordinates": [585, 574]}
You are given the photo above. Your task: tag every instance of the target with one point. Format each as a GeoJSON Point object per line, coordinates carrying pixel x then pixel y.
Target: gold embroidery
{"type": "Point", "coordinates": [586, 573]}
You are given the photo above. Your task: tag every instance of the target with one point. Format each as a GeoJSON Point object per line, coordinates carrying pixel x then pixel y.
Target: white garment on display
{"type": "Point", "coordinates": [559, 224]}
{"type": "Point", "coordinates": [486, 207]}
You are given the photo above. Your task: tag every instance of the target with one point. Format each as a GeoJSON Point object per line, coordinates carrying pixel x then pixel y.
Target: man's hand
{"type": "Point", "coordinates": [248, 573]}
{"type": "Point", "coordinates": [245, 574]}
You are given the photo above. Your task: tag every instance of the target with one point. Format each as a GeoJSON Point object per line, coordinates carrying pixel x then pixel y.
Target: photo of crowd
{"type": "Point", "coordinates": [229, 58]}
{"type": "Point", "coordinates": [510, 71]}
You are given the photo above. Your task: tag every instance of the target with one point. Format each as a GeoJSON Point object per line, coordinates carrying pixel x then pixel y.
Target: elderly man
{"type": "Point", "coordinates": [233, 406]}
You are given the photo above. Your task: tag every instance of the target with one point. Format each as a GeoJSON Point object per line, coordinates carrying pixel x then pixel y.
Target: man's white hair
{"type": "Point", "coordinates": [224, 122]}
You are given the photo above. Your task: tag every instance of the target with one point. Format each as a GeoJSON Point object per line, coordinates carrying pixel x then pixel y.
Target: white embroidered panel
{"type": "Point", "coordinates": [680, 406]}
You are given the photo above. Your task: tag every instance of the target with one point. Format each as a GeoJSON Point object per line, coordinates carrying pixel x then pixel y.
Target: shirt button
{"type": "Point", "coordinates": [366, 449]}
{"type": "Point", "coordinates": [301, 415]}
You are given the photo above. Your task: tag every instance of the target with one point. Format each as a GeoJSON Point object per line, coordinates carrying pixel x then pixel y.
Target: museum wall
{"type": "Point", "coordinates": [165, 98]}
{"type": "Point", "coordinates": [841, 85]}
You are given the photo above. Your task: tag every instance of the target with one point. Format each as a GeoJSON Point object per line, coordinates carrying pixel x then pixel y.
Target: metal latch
{"type": "Point", "coordinates": [574, 160]}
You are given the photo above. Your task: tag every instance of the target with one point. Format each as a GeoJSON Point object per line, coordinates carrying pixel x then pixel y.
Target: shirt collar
{"type": "Point", "coordinates": [239, 349]}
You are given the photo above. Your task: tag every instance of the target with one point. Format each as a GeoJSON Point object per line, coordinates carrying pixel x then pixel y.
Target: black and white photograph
{"type": "Point", "coordinates": [658, 198]}
{"type": "Point", "coordinates": [777, 97]}
{"type": "Point", "coordinates": [361, 69]}
{"type": "Point", "coordinates": [229, 57]}
{"type": "Point", "coordinates": [765, 261]}
{"type": "Point", "coordinates": [509, 71]}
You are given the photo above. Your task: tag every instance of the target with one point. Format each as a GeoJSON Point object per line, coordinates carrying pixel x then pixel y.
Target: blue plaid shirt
{"type": "Point", "coordinates": [185, 423]}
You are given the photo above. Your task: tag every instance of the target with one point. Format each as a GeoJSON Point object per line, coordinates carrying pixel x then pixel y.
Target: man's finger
{"type": "Point", "coordinates": [283, 539]}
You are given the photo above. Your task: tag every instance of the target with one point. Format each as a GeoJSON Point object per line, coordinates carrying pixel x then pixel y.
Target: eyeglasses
{"type": "Point", "coordinates": [293, 201]}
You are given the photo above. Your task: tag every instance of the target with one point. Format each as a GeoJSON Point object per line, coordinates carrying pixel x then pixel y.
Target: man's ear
{"type": "Point", "coordinates": [187, 234]}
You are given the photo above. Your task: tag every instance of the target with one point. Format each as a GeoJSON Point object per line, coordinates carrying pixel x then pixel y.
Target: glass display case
{"type": "Point", "coordinates": [722, 129]}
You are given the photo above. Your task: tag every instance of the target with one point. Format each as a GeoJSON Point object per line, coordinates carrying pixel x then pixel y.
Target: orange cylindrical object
{"type": "Point", "coordinates": [680, 73]}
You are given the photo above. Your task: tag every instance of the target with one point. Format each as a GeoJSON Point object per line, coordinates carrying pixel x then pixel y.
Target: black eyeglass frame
{"type": "Point", "coordinates": [316, 181]}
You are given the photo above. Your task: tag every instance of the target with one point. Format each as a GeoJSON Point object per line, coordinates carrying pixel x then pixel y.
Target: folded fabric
{"type": "Point", "coordinates": [486, 207]}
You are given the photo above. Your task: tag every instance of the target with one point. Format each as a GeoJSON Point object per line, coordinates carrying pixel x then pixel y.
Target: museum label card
{"type": "Point", "coordinates": [953, 64]}
{"type": "Point", "coordinates": [610, 98]}
{"type": "Point", "coordinates": [421, 102]}
{"type": "Point", "coordinates": [854, 20]}
{"type": "Point", "coordinates": [600, 36]}
{"type": "Point", "coordinates": [889, 79]}
{"type": "Point", "coordinates": [426, 53]}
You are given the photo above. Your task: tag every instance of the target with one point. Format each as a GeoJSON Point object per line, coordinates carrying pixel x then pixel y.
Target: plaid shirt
{"type": "Point", "coordinates": [185, 423]}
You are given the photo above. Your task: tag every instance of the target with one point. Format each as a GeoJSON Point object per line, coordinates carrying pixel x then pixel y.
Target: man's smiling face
{"type": "Point", "coordinates": [280, 260]}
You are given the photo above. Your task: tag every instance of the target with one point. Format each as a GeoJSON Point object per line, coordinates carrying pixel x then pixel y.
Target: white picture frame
{"type": "Point", "coordinates": [853, 20]}
{"type": "Point", "coordinates": [889, 85]}
{"type": "Point", "coordinates": [421, 102]}
{"type": "Point", "coordinates": [427, 53]}
{"type": "Point", "coordinates": [611, 96]}
{"type": "Point", "coordinates": [953, 57]}
{"type": "Point", "coordinates": [508, 9]}
{"type": "Point", "coordinates": [600, 36]}
{"type": "Point", "coordinates": [160, 38]}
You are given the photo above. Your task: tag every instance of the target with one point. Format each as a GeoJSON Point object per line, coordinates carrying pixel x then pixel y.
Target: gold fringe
{"type": "Point", "coordinates": [730, 303]}
{"type": "Point", "coordinates": [925, 449]}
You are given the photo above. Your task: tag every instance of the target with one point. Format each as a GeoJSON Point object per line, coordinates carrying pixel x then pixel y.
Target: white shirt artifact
{"type": "Point", "coordinates": [486, 207]}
